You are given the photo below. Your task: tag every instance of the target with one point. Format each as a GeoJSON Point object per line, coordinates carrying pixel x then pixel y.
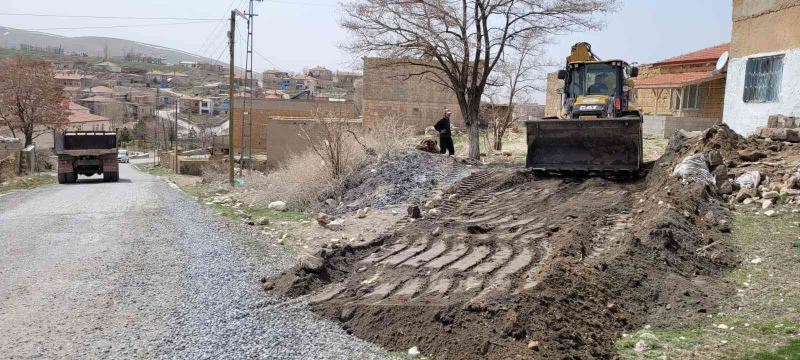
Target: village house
{"type": "Point", "coordinates": [107, 66]}
{"type": "Point", "coordinates": [346, 79]}
{"type": "Point", "coordinates": [167, 79]}
{"type": "Point", "coordinates": [80, 118]}
{"type": "Point", "coordinates": [275, 80]}
{"type": "Point", "coordinates": [72, 83]}
{"type": "Point", "coordinates": [764, 67]}
{"type": "Point", "coordinates": [321, 73]}
{"type": "Point", "coordinates": [687, 85]}
{"type": "Point", "coordinates": [417, 101]}
{"type": "Point", "coordinates": [70, 80]}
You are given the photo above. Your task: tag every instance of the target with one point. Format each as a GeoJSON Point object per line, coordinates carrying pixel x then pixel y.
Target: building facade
{"type": "Point", "coordinates": [764, 67]}
{"type": "Point", "coordinates": [417, 101]}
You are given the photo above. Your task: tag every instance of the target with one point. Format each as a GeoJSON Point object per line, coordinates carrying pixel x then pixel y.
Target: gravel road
{"type": "Point", "coordinates": [138, 269]}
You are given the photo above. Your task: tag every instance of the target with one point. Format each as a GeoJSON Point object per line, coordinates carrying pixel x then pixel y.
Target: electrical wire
{"type": "Point", "coordinates": [119, 26]}
{"type": "Point", "coordinates": [301, 3]}
{"type": "Point", "coordinates": [209, 43]}
{"type": "Point", "coordinates": [107, 17]}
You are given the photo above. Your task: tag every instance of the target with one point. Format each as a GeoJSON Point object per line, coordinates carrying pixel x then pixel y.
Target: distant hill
{"type": "Point", "coordinates": [92, 45]}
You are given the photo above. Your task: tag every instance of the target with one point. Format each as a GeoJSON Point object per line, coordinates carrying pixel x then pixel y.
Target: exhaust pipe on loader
{"type": "Point", "coordinates": [610, 145]}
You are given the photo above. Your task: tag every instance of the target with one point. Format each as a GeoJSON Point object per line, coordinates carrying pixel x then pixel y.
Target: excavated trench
{"type": "Point", "coordinates": [527, 267]}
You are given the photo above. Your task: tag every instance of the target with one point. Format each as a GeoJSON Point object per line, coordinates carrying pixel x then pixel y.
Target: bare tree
{"type": "Point", "coordinates": [517, 75]}
{"type": "Point", "coordinates": [331, 138]}
{"type": "Point", "coordinates": [31, 100]}
{"type": "Point", "coordinates": [458, 43]}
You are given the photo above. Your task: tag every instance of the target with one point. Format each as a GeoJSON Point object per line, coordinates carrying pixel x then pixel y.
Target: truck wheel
{"type": "Point", "coordinates": [111, 176]}
{"type": "Point", "coordinates": [62, 178]}
{"type": "Point", "coordinates": [71, 178]}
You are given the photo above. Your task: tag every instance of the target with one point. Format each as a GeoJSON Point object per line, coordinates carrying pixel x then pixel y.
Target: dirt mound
{"type": "Point", "coordinates": [405, 176]}
{"type": "Point", "coordinates": [511, 265]}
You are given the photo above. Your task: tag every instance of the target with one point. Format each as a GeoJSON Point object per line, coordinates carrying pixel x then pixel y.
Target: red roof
{"type": "Point", "coordinates": [705, 55]}
{"type": "Point", "coordinates": [665, 80]}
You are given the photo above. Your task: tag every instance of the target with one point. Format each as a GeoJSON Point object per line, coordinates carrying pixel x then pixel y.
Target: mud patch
{"type": "Point", "coordinates": [564, 264]}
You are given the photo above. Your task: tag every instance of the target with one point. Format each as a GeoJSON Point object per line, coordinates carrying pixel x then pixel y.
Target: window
{"type": "Point", "coordinates": [691, 97]}
{"type": "Point", "coordinates": [762, 82]}
{"type": "Point", "coordinates": [686, 98]}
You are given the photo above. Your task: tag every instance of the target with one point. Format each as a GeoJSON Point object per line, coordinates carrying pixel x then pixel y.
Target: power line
{"type": "Point", "coordinates": [241, 37]}
{"type": "Point", "coordinates": [301, 3]}
{"type": "Point", "coordinates": [107, 17]}
{"type": "Point", "coordinates": [209, 43]}
{"type": "Point", "coordinates": [118, 26]}
{"type": "Point", "coordinates": [265, 58]}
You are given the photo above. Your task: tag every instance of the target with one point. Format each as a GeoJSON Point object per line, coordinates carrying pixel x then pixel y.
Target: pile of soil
{"type": "Point", "coordinates": [516, 266]}
{"type": "Point", "coordinates": [405, 176]}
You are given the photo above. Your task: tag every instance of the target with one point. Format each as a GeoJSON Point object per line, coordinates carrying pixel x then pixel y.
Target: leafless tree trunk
{"type": "Point", "coordinates": [516, 76]}
{"type": "Point", "coordinates": [458, 43]}
{"type": "Point", "coordinates": [331, 140]}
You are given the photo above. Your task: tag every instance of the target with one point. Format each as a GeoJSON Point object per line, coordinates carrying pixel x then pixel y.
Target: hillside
{"type": "Point", "coordinates": [92, 45]}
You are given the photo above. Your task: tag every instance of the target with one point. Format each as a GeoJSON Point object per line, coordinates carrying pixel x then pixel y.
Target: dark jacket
{"type": "Point", "coordinates": [443, 127]}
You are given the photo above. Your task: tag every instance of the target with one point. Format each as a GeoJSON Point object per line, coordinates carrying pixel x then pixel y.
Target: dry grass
{"type": "Point", "coordinates": [305, 179]}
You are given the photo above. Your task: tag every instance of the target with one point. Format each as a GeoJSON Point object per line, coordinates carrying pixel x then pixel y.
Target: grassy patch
{"type": "Point", "coordinates": [29, 182]}
{"type": "Point", "coordinates": [761, 320]}
{"type": "Point", "coordinates": [204, 195]}
{"type": "Point", "coordinates": [155, 170]}
{"type": "Point", "coordinates": [790, 351]}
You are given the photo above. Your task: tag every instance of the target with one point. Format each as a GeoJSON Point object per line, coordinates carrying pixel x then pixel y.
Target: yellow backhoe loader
{"type": "Point", "coordinates": [596, 130]}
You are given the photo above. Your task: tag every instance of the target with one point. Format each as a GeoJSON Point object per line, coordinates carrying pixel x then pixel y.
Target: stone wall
{"type": "Point", "coordinates": [264, 110]}
{"type": "Point", "coordinates": [418, 101]}
{"type": "Point", "coordinates": [9, 157]}
{"type": "Point", "coordinates": [662, 127]}
{"type": "Point", "coordinates": [187, 166]}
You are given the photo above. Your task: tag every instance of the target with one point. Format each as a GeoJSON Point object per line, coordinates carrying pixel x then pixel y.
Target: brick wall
{"type": "Point", "coordinates": [417, 100]}
{"type": "Point", "coordinates": [264, 110]}
{"type": "Point", "coordinates": [285, 137]}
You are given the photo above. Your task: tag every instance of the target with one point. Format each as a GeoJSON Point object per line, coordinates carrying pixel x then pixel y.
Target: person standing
{"type": "Point", "coordinates": [445, 134]}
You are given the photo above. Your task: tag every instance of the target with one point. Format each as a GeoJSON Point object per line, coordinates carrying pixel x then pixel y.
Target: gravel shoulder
{"type": "Point", "coordinates": [140, 269]}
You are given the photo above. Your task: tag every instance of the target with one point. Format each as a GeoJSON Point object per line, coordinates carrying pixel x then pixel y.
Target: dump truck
{"type": "Point", "coordinates": [595, 131]}
{"type": "Point", "coordinates": [86, 153]}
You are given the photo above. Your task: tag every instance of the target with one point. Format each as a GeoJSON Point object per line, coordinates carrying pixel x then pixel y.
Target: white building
{"type": "Point", "coordinates": [764, 67]}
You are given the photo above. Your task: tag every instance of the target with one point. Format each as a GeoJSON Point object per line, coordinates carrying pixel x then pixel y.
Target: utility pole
{"type": "Point", "coordinates": [157, 144]}
{"type": "Point", "coordinates": [177, 170]}
{"type": "Point", "coordinates": [231, 35]}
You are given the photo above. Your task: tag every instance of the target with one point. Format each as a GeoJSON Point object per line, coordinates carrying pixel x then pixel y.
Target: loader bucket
{"type": "Point", "coordinates": [585, 145]}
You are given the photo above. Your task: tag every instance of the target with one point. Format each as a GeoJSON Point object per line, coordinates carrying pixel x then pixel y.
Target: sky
{"type": "Point", "coordinates": [296, 34]}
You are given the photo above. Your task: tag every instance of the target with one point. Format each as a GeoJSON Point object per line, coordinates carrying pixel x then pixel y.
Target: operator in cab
{"type": "Point", "coordinates": [599, 87]}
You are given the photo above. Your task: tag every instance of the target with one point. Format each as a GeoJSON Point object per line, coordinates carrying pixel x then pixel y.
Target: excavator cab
{"type": "Point", "coordinates": [596, 131]}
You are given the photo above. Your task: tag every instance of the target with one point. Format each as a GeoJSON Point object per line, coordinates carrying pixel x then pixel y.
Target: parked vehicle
{"type": "Point", "coordinates": [86, 153]}
{"type": "Point", "coordinates": [123, 156]}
